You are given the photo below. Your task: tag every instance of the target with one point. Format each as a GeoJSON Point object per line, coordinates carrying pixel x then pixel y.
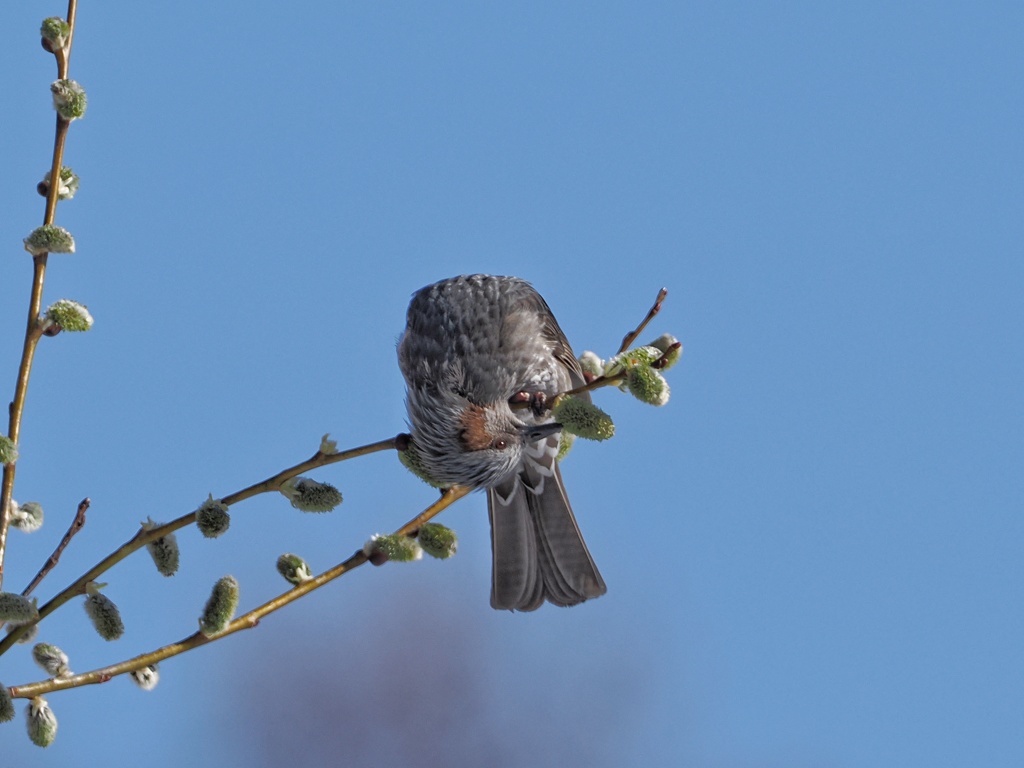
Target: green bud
{"type": "Point", "coordinates": [27, 517]}
{"type": "Point", "coordinates": [647, 385]}
{"type": "Point", "coordinates": [164, 551]}
{"type": "Point", "coordinates": [389, 546]}
{"type": "Point", "coordinates": [42, 723]}
{"type": "Point", "coordinates": [631, 358]}
{"type": "Point", "coordinates": [54, 32]}
{"type": "Point", "coordinates": [8, 450]}
{"type": "Point", "coordinates": [311, 496]}
{"type": "Point", "coordinates": [328, 446]}
{"type": "Point", "coordinates": [592, 364]}
{"type": "Point", "coordinates": [146, 678]}
{"type": "Point", "coordinates": [213, 518]}
{"type": "Point", "coordinates": [68, 99]}
{"type": "Point", "coordinates": [583, 418]}
{"type": "Point", "coordinates": [6, 705]}
{"type": "Point", "coordinates": [49, 238]}
{"type": "Point", "coordinates": [667, 343]}
{"type": "Point", "coordinates": [221, 606]}
{"type": "Point", "coordinates": [68, 188]}
{"type": "Point", "coordinates": [565, 443]}
{"type": "Point", "coordinates": [28, 634]}
{"type": "Point", "coordinates": [105, 616]}
{"type": "Point", "coordinates": [410, 458]}
{"type": "Point", "coordinates": [437, 540]}
{"type": "Point", "coordinates": [293, 568]}
{"type": "Point", "coordinates": [52, 659]}
{"type": "Point", "coordinates": [17, 610]}
{"type": "Point", "coordinates": [68, 315]}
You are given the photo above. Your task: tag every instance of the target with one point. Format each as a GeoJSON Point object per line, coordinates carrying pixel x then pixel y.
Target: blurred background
{"type": "Point", "coordinates": [813, 552]}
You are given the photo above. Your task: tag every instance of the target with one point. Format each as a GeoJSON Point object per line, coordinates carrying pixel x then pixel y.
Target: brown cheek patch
{"type": "Point", "coordinates": [473, 434]}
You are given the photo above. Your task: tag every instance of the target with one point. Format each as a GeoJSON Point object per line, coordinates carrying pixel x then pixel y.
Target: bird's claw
{"type": "Point", "coordinates": [538, 401]}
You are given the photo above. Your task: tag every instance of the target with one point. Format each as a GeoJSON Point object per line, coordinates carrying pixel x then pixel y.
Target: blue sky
{"type": "Point", "coordinates": [812, 552]}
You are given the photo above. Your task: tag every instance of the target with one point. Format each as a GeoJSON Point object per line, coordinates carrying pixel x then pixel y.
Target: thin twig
{"type": "Point", "coordinates": [246, 621]}
{"type": "Point", "coordinates": [600, 381]}
{"type": "Point", "coordinates": [630, 337]}
{"type": "Point", "coordinates": [17, 407]}
{"type": "Point", "coordinates": [596, 383]}
{"type": "Point", "coordinates": [76, 525]}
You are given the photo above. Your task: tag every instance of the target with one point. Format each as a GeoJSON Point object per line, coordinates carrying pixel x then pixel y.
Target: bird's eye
{"type": "Point", "coordinates": [501, 444]}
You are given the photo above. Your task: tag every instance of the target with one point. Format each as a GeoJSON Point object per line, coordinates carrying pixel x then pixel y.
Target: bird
{"type": "Point", "coordinates": [474, 347]}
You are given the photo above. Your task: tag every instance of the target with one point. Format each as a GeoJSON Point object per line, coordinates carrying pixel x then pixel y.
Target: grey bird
{"type": "Point", "coordinates": [473, 346]}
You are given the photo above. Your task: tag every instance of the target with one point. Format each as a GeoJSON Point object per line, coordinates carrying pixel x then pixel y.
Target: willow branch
{"type": "Point", "coordinates": [246, 621]}
{"type": "Point", "coordinates": [144, 535]}
{"type": "Point", "coordinates": [17, 406]}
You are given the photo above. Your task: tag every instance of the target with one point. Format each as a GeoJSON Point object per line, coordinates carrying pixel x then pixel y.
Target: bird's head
{"type": "Point", "coordinates": [461, 442]}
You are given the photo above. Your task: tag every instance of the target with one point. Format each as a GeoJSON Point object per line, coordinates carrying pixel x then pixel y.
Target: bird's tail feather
{"type": "Point", "coordinates": [539, 553]}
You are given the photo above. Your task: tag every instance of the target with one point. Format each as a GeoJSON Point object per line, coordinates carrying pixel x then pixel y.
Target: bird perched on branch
{"type": "Point", "coordinates": [474, 347]}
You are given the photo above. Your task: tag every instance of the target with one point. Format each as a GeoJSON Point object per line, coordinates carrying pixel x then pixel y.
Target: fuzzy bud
{"type": "Point", "coordinates": [6, 705]}
{"type": "Point", "coordinates": [8, 450]}
{"type": "Point", "coordinates": [212, 518]}
{"type": "Point", "coordinates": [390, 546]}
{"type": "Point", "coordinates": [52, 659]}
{"type": "Point", "coordinates": [146, 678]}
{"type": "Point", "coordinates": [164, 551]}
{"type": "Point", "coordinates": [67, 315]}
{"type": "Point", "coordinates": [221, 606]}
{"type": "Point", "coordinates": [68, 99]}
{"type": "Point", "coordinates": [591, 364]}
{"type": "Point", "coordinates": [583, 418]}
{"type": "Point", "coordinates": [631, 358]}
{"type": "Point", "coordinates": [54, 32]}
{"type": "Point", "coordinates": [294, 569]}
{"type": "Point", "coordinates": [565, 443]}
{"type": "Point", "coordinates": [17, 610]}
{"type": "Point", "coordinates": [328, 446]}
{"type": "Point", "coordinates": [27, 517]}
{"type": "Point", "coordinates": [670, 348]}
{"type": "Point", "coordinates": [49, 238]}
{"type": "Point", "coordinates": [647, 385]}
{"type": "Point", "coordinates": [438, 540]}
{"type": "Point", "coordinates": [105, 616]}
{"type": "Point", "coordinates": [68, 188]}
{"type": "Point", "coordinates": [28, 634]}
{"type": "Point", "coordinates": [410, 458]}
{"type": "Point", "coordinates": [42, 723]}
{"type": "Point", "coordinates": [310, 496]}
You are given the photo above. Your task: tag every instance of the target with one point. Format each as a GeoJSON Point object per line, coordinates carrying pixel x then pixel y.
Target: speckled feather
{"type": "Point", "coordinates": [485, 317]}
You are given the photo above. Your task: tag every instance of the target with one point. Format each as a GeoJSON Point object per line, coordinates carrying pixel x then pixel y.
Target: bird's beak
{"type": "Point", "coordinates": [533, 433]}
